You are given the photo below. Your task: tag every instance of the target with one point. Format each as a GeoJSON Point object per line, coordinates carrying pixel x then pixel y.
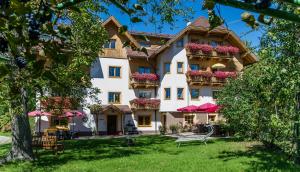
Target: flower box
{"type": "Point", "coordinates": [145, 76]}
{"type": "Point", "coordinates": [224, 50]}
{"type": "Point", "coordinates": [143, 103]}
{"type": "Point", "coordinates": [224, 75]}
{"type": "Point", "coordinates": [195, 47]}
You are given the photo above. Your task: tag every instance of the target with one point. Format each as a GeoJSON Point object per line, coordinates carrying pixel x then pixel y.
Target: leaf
{"type": "Point", "coordinates": [73, 8]}
{"type": "Point", "coordinates": [123, 29]}
{"type": "Point", "coordinates": [136, 20]}
{"type": "Point", "coordinates": [208, 4]}
{"type": "Point", "coordinates": [49, 75]}
{"type": "Point", "coordinates": [138, 7]}
{"type": "Point", "coordinates": [214, 20]}
{"type": "Point", "coordinates": [3, 71]}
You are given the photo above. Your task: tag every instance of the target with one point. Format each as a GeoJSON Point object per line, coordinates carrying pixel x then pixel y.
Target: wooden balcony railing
{"type": "Point", "coordinates": [195, 50]}
{"type": "Point", "coordinates": [138, 80]}
{"type": "Point", "coordinates": [145, 104]}
{"type": "Point", "coordinates": [208, 78]}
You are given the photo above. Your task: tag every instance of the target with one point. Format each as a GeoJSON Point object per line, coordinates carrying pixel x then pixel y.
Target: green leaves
{"type": "Point", "coordinates": [3, 71]}
{"type": "Point", "coordinates": [135, 20]}
{"type": "Point", "coordinates": [214, 20]}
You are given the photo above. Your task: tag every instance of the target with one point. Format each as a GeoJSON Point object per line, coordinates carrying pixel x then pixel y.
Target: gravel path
{"type": "Point", "coordinates": [4, 140]}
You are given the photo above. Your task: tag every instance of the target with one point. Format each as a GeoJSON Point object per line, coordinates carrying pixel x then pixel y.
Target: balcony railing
{"type": "Point", "coordinates": [207, 51]}
{"type": "Point", "coordinates": [209, 78]}
{"type": "Point", "coordinates": [144, 80]}
{"type": "Point", "coordinates": [145, 104]}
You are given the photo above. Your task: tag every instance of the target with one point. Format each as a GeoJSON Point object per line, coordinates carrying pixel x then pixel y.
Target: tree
{"type": "Point", "coordinates": [49, 45]}
{"type": "Point", "coordinates": [261, 103]}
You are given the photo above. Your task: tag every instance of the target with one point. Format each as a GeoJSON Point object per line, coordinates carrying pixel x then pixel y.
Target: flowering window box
{"type": "Point", "coordinates": [144, 79]}
{"type": "Point", "coordinates": [227, 50]}
{"type": "Point", "coordinates": [199, 76]}
{"type": "Point", "coordinates": [146, 104]}
{"type": "Point", "coordinates": [195, 48]}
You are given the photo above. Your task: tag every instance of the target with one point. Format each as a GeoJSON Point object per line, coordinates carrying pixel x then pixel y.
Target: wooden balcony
{"type": "Point", "coordinates": [212, 55]}
{"type": "Point", "coordinates": [145, 104]}
{"type": "Point", "coordinates": [207, 80]}
{"type": "Point", "coordinates": [144, 80]}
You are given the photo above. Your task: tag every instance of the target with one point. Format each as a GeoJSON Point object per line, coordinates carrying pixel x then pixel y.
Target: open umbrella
{"type": "Point", "coordinates": [191, 108]}
{"type": "Point", "coordinates": [218, 66]}
{"type": "Point", "coordinates": [38, 113]}
{"type": "Point", "coordinates": [72, 114]}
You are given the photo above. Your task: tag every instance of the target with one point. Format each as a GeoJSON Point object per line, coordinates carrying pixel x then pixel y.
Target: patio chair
{"type": "Point", "coordinates": [189, 138]}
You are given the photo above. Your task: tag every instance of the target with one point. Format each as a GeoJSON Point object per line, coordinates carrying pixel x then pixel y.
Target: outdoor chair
{"type": "Point", "coordinates": [189, 138]}
{"type": "Point", "coordinates": [51, 143]}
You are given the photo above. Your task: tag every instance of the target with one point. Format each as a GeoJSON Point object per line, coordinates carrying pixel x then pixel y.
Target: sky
{"type": "Point", "coordinates": [231, 15]}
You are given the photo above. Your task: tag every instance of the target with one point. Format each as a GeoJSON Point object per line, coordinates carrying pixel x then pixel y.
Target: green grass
{"type": "Point", "coordinates": [5, 134]}
{"type": "Point", "coordinates": [155, 153]}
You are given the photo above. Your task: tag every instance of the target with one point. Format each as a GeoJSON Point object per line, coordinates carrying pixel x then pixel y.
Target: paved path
{"type": "Point", "coordinates": [4, 140]}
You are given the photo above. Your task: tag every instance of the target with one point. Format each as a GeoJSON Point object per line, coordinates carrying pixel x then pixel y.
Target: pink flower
{"type": "Point", "coordinates": [233, 50]}
{"type": "Point", "coordinates": [202, 73]}
{"type": "Point", "coordinates": [145, 76]}
{"type": "Point", "coordinates": [224, 75]}
{"type": "Point", "coordinates": [227, 49]}
{"type": "Point", "coordinates": [146, 102]}
{"type": "Point", "coordinates": [195, 47]}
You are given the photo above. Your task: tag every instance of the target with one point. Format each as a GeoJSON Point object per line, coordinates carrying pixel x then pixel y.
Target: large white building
{"type": "Point", "coordinates": [178, 71]}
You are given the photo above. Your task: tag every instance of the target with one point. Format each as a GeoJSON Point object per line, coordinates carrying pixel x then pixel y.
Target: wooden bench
{"type": "Point", "coordinates": [51, 143]}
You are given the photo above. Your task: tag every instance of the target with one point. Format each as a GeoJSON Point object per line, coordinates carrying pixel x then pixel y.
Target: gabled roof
{"type": "Point", "coordinates": [119, 25]}
{"type": "Point", "coordinates": [117, 108]}
{"type": "Point", "coordinates": [150, 34]}
{"type": "Point", "coordinates": [202, 24]}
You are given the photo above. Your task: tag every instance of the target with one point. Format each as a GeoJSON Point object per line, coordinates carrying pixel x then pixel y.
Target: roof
{"type": "Point", "coordinates": [127, 34]}
{"type": "Point", "coordinates": [202, 24]}
{"type": "Point", "coordinates": [139, 54]}
{"type": "Point", "coordinates": [150, 34]}
{"type": "Point", "coordinates": [120, 108]}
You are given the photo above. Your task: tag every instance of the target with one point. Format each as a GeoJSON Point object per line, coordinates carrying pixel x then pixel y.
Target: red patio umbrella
{"type": "Point", "coordinates": [72, 114]}
{"type": "Point", "coordinates": [206, 106]}
{"type": "Point", "coordinates": [213, 109]}
{"type": "Point", "coordinates": [191, 108]}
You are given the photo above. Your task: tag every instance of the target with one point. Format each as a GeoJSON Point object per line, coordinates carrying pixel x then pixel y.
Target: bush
{"type": "Point", "coordinates": [174, 128]}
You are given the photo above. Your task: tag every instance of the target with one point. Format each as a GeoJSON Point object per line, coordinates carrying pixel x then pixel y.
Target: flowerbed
{"type": "Point", "coordinates": [145, 76]}
{"type": "Point", "coordinates": [194, 47]}
{"type": "Point", "coordinates": [152, 103]}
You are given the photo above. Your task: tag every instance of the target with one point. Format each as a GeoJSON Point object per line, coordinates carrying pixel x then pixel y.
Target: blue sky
{"type": "Point", "coordinates": [231, 15]}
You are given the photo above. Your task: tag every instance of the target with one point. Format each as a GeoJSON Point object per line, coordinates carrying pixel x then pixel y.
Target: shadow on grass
{"type": "Point", "coordinates": [263, 159]}
{"type": "Point", "coordinates": [93, 150]}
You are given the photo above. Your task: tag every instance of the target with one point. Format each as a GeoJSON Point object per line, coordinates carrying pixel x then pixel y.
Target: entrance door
{"type": "Point", "coordinates": [112, 124]}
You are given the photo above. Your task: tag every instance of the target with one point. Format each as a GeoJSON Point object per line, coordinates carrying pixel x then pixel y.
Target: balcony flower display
{"type": "Point", "coordinates": [205, 74]}
{"type": "Point", "coordinates": [195, 47]}
{"type": "Point", "coordinates": [227, 49]}
{"type": "Point", "coordinates": [145, 76]}
{"type": "Point", "coordinates": [146, 103]}
{"type": "Point", "coordinates": [224, 75]}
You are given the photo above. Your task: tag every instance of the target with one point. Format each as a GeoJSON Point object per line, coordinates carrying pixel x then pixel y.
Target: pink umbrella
{"type": "Point", "coordinates": [191, 108]}
{"type": "Point", "coordinates": [38, 113]}
{"type": "Point", "coordinates": [72, 114]}
{"type": "Point", "coordinates": [206, 106]}
{"type": "Point", "coordinates": [213, 109]}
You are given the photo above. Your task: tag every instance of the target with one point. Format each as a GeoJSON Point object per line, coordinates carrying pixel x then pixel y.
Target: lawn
{"type": "Point", "coordinates": [156, 153]}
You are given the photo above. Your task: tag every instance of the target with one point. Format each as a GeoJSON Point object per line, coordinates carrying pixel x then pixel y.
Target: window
{"type": "Point", "coordinates": [114, 72]}
{"type": "Point", "coordinates": [167, 93]}
{"type": "Point", "coordinates": [144, 121]}
{"type": "Point", "coordinates": [110, 44]}
{"type": "Point", "coordinates": [144, 94]}
{"type": "Point", "coordinates": [179, 67]}
{"type": "Point", "coordinates": [195, 93]}
{"type": "Point", "coordinates": [180, 93]}
{"type": "Point", "coordinates": [211, 118]}
{"type": "Point", "coordinates": [213, 43]}
{"type": "Point", "coordinates": [144, 70]}
{"type": "Point", "coordinates": [114, 97]}
{"type": "Point", "coordinates": [215, 94]}
{"type": "Point", "coordinates": [167, 68]}
{"type": "Point", "coordinates": [195, 67]}
{"type": "Point", "coordinates": [189, 119]}
{"type": "Point", "coordinates": [179, 43]}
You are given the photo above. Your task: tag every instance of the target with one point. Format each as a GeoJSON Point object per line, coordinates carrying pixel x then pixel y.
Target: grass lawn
{"type": "Point", "coordinates": [156, 153]}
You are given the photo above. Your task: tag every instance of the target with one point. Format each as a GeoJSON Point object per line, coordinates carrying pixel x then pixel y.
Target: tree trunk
{"type": "Point", "coordinates": [21, 133]}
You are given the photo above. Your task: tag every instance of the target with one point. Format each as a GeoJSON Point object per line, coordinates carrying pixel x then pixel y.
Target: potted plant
{"type": "Point", "coordinates": [162, 130]}
{"type": "Point", "coordinates": [174, 128]}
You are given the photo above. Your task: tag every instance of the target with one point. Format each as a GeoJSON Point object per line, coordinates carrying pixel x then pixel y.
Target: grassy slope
{"type": "Point", "coordinates": [154, 153]}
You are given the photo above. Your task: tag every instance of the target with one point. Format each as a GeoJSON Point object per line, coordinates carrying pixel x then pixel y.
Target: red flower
{"type": "Point", "coordinates": [233, 50]}
{"type": "Point", "coordinates": [145, 76]}
{"type": "Point", "coordinates": [202, 73]}
{"type": "Point", "coordinates": [223, 75]}
{"type": "Point", "coordinates": [194, 47]}
{"type": "Point", "coordinates": [227, 49]}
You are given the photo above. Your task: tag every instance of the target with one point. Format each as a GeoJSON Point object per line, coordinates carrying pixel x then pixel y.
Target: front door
{"type": "Point", "coordinates": [112, 124]}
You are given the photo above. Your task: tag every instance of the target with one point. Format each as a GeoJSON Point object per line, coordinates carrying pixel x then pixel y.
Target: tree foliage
{"type": "Point", "coordinates": [261, 103]}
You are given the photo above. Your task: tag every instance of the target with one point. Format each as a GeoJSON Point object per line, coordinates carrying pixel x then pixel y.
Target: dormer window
{"type": "Point", "coordinates": [110, 44]}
